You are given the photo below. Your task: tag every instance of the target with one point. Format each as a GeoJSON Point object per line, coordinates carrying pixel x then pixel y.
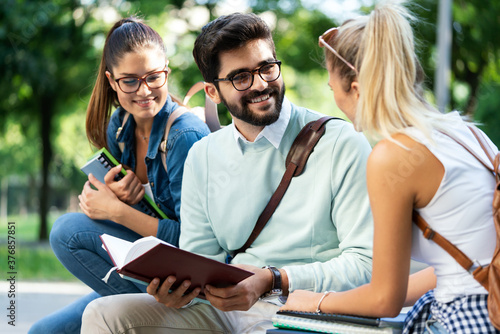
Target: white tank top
{"type": "Point", "coordinates": [460, 210]}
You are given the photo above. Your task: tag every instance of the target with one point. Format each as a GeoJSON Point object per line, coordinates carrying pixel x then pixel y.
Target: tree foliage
{"type": "Point", "coordinates": [50, 51]}
{"type": "Point", "coordinates": [475, 56]}
{"type": "Point", "coordinates": [39, 44]}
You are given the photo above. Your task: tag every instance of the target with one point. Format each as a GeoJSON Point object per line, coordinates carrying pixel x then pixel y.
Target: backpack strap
{"type": "Point", "coordinates": [163, 145]}
{"type": "Point", "coordinates": [296, 159]}
{"type": "Point", "coordinates": [210, 113]}
{"type": "Point", "coordinates": [121, 145]}
{"type": "Point", "coordinates": [482, 142]}
{"type": "Point", "coordinates": [481, 272]}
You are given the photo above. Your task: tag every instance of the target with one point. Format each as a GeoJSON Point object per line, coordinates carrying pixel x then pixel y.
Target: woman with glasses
{"type": "Point", "coordinates": [416, 166]}
{"type": "Point", "coordinates": [132, 76]}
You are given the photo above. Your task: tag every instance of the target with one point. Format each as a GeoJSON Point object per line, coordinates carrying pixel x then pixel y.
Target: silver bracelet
{"type": "Point", "coordinates": [326, 293]}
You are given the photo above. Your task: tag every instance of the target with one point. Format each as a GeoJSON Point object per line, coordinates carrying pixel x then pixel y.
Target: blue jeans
{"type": "Point", "coordinates": [75, 241]}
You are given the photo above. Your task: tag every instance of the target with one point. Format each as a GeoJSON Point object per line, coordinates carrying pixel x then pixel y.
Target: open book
{"type": "Point", "coordinates": [150, 257]}
{"type": "Point", "coordinates": [99, 165]}
{"type": "Point", "coordinates": [336, 323]}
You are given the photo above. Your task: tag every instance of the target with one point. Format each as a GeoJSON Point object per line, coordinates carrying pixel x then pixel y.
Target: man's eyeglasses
{"type": "Point", "coordinates": [327, 37]}
{"type": "Point", "coordinates": [153, 80]}
{"type": "Point", "coordinates": [244, 80]}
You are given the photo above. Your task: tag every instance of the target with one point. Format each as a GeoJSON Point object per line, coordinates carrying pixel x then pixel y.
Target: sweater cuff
{"type": "Point", "coordinates": [298, 278]}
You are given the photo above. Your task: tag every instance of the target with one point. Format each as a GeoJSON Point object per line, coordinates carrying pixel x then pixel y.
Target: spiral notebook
{"type": "Point", "coordinates": [99, 165]}
{"type": "Point", "coordinates": [335, 323]}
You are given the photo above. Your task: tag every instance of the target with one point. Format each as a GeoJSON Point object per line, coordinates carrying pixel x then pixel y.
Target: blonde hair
{"type": "Point", "coordinates": [381, 46]}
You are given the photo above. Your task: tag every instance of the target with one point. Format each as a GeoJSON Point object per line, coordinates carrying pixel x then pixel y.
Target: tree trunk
{"type": "Point", "coordinates": [474, 81]}
{"type": "Point", "coordinates": [46, 106]}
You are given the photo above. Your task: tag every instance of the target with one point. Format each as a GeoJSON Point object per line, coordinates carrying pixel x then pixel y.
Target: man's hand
{"type": "Point", "coordinates": [97, 204]}
{"type": "Point", "coordinates": [244, 295]}
{"type": "Point", "coordinates": [129, 189]}
{"type": "Point", "coordinates": [177, 298]}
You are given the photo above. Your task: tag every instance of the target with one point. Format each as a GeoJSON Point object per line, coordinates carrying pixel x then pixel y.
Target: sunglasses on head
{"type": "Point", "coordinates": [328, 36]}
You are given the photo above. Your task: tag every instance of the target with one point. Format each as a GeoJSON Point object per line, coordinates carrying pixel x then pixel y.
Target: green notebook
{"type": "Point", "coordinates": [99, 165]}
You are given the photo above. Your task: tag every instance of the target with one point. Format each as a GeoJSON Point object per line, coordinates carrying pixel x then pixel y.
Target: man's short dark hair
{"type": "Point", "coordinates": [226, 33]}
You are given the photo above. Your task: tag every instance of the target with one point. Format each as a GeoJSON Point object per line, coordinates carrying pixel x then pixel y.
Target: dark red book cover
{"type": "Point", "coordinates": [164, 260]}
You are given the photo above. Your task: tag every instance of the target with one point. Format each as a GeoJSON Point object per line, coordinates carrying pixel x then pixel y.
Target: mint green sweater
{"type": "Point", "coordinates": [322, 231]}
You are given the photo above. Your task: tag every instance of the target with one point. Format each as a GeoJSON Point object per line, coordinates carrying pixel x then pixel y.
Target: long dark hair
{"type": "Point", "coordinates": [127, 35]}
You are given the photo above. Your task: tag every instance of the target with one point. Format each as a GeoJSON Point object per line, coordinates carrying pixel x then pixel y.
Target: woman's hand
{"type": "Point", "coordinates": [99, 203]}
{"type": "Point", "coordinates": [302, 300]}
{"type": "Point", "coordinates": [129, 189]}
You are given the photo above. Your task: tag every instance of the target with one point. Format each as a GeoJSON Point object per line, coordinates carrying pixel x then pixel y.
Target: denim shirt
{"type": "Point", "coordinates": [165, 186]}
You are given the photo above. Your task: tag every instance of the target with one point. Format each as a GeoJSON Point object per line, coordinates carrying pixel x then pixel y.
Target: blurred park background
{"type": "Point", "coordinates": [50, 51]}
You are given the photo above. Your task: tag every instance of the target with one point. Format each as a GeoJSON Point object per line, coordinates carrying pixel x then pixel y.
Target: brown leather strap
{"type": "Point", "coordinates": [481, 142]}
{"type": "Point", "coordinates": [429, 233]}
{"type": "Point", "coordinates": [296, 159]}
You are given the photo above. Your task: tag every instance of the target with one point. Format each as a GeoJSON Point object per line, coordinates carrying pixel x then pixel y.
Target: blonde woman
{"type": "Point", "coordinates": [376, 79]}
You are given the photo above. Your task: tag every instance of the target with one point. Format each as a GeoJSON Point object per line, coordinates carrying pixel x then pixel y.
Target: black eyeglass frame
{"type": "Point", "coordinates": [252, 74]}
{"type": "Point", "coordinates": [143, 79]}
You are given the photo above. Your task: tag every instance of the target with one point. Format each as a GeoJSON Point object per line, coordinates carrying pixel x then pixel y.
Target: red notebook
{"type": "Point", "coordinates": [151, 257]}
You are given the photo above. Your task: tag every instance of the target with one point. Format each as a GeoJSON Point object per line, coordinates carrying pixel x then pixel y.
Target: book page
{"type": "Point", "coordinates": [142, 246]}
{"type": "Point", "coordinates": [123, 251]}
{"type": "Point", "coordinates": [117, 248]}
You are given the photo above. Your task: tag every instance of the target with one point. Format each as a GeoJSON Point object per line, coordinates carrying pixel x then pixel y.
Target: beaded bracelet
{"type": "Point", "coordinates": [321, 300]}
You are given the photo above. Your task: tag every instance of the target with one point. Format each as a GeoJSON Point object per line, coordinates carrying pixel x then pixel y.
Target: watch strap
{"type": "Point", "coordinates": [276, 286]}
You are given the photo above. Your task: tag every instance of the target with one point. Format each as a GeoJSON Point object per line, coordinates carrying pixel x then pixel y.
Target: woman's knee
{"type": "Point", "coordinates": [65, 228]}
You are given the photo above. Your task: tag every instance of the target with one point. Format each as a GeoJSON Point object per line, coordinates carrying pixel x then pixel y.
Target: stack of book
{"type": "Point", "coordinates": [307, 322]}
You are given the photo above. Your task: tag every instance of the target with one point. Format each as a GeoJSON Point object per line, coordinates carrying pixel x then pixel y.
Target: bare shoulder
{"type": "Point", "coordinates": [389, 154]}
{"type": "Point", "coordinates": [406, 163]}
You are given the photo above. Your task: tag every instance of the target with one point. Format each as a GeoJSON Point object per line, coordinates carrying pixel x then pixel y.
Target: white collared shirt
{"type": "Point", "coordinates": [273, 132]}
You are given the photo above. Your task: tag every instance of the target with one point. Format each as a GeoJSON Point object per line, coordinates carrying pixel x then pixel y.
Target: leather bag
{"type": "Point", "coordinates": [296, 159]}
{"type": "Point", "coordinates": [488, 276]}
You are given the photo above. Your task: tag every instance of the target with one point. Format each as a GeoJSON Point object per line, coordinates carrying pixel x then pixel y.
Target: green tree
{"type": "Point", "coordinates": [475, 82]}
{"type": "Point", "coordinates": [40, 42]}
{"type": "Point", "coordinates": [50, 50]}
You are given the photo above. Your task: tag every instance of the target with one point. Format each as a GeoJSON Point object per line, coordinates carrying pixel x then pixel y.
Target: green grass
{"type": "Point", "coordinates": [35, 263]}
{"type": "Point", "coordinates": [33, 260]}
{"type": "Point", "coordinates": [26, 226]}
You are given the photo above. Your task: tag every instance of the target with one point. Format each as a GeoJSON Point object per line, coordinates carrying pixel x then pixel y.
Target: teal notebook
{"type": "Point", "coordinates": [99, 165]}
{"type": "Point", "coordinates": [335, 323]}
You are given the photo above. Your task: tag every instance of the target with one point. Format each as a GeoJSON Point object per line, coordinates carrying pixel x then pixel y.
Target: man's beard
{"type": "Point", "coordinates": [246, 115]}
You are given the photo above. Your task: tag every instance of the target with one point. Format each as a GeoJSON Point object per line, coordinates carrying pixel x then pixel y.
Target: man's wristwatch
{"type": "Point", "coordinates": [276, 289]}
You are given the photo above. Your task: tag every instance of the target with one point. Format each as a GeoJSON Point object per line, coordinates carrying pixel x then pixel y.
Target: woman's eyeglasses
{"type": "Point", "coordinates": [328, 36]}
{"type": "Point", "coordinates": [153, 80]}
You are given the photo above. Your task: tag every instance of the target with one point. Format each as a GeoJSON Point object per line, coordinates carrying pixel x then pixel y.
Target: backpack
{"type": "Point", "coordinates": [207, 114]}
{"type": "Point", "coordinates": [488, 276]}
